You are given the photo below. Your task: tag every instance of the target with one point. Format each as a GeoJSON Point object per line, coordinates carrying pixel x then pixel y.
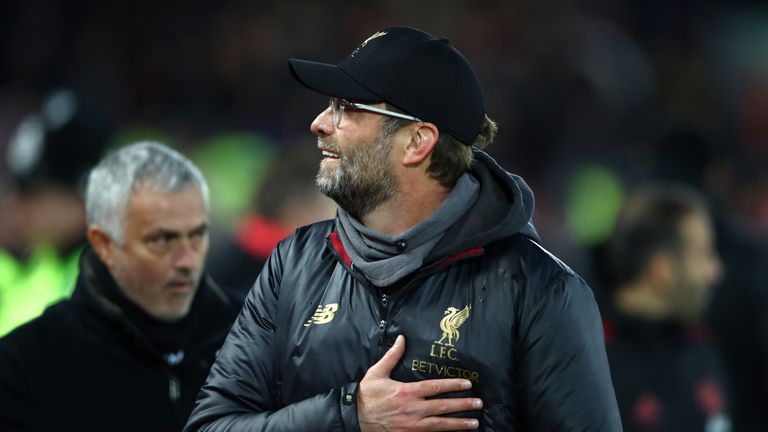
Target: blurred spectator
{"type": "Point", "coordinates": [234, 164]}
{"type": "Point", "coordinates": [287, 199]}
{"type": "Point", "coordinates": [665, 370]}
{"type": "Point", "coordinates": [42, 221]}
{"type": "Point", "coordinates": [735, 182]}
{"type": "Point", "coordinates": [130, 349]}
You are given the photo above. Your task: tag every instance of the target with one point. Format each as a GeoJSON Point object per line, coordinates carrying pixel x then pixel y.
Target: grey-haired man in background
{"type": "Point", "coordinates": [131, 347]}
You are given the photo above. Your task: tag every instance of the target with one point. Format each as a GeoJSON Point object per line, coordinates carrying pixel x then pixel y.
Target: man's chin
{"type": "Point", "coordinates": [173, 314]}
{"type": "Point", "coordinates": [175, 308]}
{"type": "Point", "coordinates": [327, 185]}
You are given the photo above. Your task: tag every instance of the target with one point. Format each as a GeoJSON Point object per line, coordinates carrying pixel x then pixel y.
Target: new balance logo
{"type": "Point", "coordinates": [323, 314]}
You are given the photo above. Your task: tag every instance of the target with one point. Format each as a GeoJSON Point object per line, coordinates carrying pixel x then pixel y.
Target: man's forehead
{"type": "Point", "coordinates": [184, 208]}
{"type": "Point", "coordinates": [149, 193]}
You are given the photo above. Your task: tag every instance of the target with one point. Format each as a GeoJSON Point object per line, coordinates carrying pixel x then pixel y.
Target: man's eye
{"type": "Point", "coordinates": [199, 236]}
{"type": "Point", "coordinates": [159, 240]}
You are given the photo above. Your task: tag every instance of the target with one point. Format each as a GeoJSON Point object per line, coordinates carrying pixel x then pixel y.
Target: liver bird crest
{"type": "Point", "coordinates": [450, 324]}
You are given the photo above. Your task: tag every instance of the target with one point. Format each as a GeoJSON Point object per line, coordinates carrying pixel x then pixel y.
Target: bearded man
{"type": "Point", "coordinates": [433, 243]}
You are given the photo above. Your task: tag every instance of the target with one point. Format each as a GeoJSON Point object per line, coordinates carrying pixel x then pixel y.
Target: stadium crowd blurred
{"type": "Point", "coordinates": [592, 98]}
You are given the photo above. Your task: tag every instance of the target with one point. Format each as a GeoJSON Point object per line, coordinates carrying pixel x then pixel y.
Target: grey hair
{"type": "Point", "coordinates": [140, 165]}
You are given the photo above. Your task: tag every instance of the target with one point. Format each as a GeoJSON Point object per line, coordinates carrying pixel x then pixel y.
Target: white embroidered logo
{"type": "Point", "coordinates": [365, 42]}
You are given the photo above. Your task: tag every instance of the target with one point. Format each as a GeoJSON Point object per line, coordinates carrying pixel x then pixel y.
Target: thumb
{"type": "Point", "coordinates": [384, 367]}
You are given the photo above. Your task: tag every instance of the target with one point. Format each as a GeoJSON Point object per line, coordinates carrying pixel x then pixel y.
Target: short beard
{"type": "Point", "coordinates": [363, 179]}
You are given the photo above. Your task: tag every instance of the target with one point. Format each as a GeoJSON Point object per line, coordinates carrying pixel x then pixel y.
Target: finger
{"type": "Point", "coordinates": [438, 407]}
{"type": "Point", "coordinates": [447, 424]}
{"type": "Point", "coordinates": [435, 387]}
{"type": "Point", "coordinates": [384, 366]}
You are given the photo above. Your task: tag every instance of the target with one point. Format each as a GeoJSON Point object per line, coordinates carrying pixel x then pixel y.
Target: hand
{"type": "Point", "coordinates": [384, 404]}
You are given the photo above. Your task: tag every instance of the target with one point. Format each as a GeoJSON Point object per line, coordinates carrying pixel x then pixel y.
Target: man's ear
{"type": "Point", "coordinates": [101, 243]}
{"type": "Point", "coordinates": [423, 140]}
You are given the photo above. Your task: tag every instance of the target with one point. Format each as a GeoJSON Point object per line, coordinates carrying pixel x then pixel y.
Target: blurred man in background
{"type": "Point", "coordinates": [42, 217]}
{"type": "Point", "coordinates": [132, 346]}
{"type": "Point", "coordinates": [664, 264]}
{"type": "Point", "coordinates": [286, 199]}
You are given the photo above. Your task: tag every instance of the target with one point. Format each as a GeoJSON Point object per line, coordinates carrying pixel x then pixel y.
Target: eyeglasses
{"type": "Point", "coordinates": [338, 106]}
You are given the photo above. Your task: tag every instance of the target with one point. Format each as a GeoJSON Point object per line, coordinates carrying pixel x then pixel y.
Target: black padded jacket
{"type": "Point", "coordinates": [87, 364]}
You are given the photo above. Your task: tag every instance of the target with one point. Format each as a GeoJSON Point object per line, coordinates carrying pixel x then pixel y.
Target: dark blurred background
{"type": "Point", "coordinates": [592, 97]}
{"type": "Point", "coordinates": [587, 93]}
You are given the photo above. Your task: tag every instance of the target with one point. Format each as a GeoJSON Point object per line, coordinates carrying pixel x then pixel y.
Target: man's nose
{"type": "Point", "coordinates": [188, 255]}
{"type": "Point", "coordinates": [323, 123]}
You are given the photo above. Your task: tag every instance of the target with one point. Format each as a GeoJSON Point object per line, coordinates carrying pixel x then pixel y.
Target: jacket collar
{"type": "Point", "coordinates": [99, 295]}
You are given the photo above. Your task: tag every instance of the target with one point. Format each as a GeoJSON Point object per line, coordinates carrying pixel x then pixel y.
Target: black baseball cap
{"type": "Point", "coordinates": [421, 74]}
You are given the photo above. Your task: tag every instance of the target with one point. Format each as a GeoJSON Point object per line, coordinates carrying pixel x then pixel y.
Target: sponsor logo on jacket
{"type": "Point", "coordinates": [323, 314]}
{"type": "Point", "coordinates": [443, 350]}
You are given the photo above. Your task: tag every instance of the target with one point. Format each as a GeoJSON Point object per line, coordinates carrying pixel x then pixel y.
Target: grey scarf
{"type": "Point", "coordinates": [386, 259]}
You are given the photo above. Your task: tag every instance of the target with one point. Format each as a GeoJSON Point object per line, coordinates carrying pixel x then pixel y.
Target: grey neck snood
{"type": "Point", "coordinates": [386, 259]}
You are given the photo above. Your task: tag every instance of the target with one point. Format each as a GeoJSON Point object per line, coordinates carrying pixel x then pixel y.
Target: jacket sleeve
{"type": "Point", "coordinates": [242, 388]}
{"type": "Point", "coordinates": [562, 368]}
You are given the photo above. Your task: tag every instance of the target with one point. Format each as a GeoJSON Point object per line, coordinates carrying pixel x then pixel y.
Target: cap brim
{"type": "Point", "coordinates": [329, 80]}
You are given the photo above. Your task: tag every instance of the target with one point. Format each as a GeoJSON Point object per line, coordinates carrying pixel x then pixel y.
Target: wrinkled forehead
{"type": "Point", "coordinates": [148, 208]}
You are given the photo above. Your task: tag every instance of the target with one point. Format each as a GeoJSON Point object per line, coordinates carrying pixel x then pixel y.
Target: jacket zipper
{"type": "Point", "coordinates": [384, 302]}
{"type": "Point", "coordinates": [174, 388]}
{"type": "Point", "coordinates": [338, 250]}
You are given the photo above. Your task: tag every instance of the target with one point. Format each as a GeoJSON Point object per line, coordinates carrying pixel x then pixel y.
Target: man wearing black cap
{"type": "Point", "coordinates": [432, 244]}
